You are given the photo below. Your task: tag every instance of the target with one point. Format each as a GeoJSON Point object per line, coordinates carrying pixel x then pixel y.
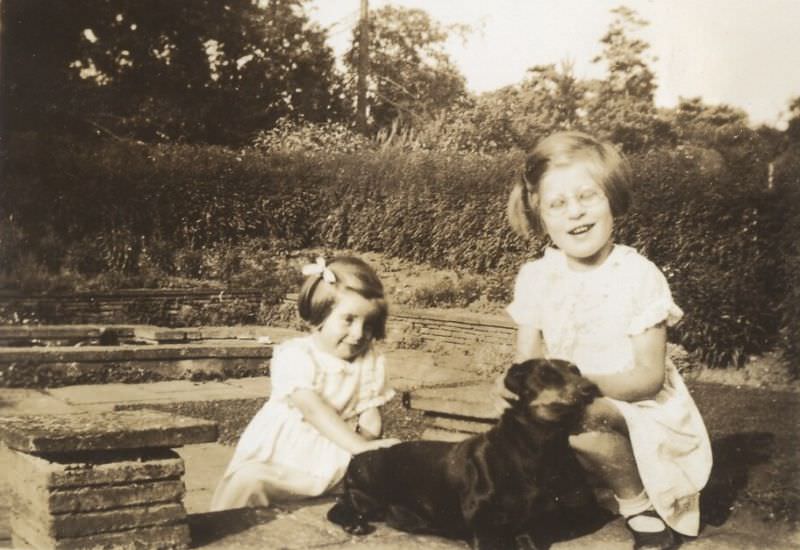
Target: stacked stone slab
{"type": "Point", "coordinates": [99, 480]}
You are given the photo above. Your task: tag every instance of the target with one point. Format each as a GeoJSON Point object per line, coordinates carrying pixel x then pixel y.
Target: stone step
{"type": "Point", "coordinates": [102, 430]}
{"type": "Point", "coordinates": [231, 414]}
{"type": "Point", "coordinates": [459, 425]}
{"type": "Point", "coordinates": [473, 401]}
{"type": "Point", "coordinates": [67, 335]}
{"type": "Point", "coordinates": [207, 353]}
{"type": "Point", "coordinates": [65, 366]}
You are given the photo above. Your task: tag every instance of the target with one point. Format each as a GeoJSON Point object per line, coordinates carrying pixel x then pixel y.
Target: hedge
{"type": "Point", "coordinates": [723, 241]}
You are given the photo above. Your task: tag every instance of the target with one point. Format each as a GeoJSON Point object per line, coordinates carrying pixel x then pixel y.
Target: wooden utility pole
{"type": "Point", "coordinates": [363, 68]}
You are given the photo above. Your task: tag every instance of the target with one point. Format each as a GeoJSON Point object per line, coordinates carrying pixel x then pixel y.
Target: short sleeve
{"type": "Point", "coordinates": [652, 303]}
{"type": "Point", "coordinates": [292, 368]}
{"type": "Point", "coordinates": [373, 391]}
{"type": "Point", "coordinates": [525, 308]}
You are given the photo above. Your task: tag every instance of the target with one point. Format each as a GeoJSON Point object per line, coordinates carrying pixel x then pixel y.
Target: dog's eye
{"type": "Point", "coordinates": [551, 377]}
{"type": "Point", "coordinates": [574, 369]}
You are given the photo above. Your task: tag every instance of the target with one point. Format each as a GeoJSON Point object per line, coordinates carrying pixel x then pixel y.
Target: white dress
{"type": "Point", "coordinates": [279, 454]}
{"type": "Point", "coordinates": [588, 317]}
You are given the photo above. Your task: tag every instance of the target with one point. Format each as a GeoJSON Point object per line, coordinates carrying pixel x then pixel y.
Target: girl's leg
{"type": "Point", "coordinates": [244, 488]}
{"type": "Point", "coordinates": [603, 448]}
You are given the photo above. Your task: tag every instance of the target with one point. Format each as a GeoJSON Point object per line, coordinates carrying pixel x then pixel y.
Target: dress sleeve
{"type": "Point", "coordinates": [652, 301]}
{"type": "Point", "coordinates": [292, 368]}
{"type": "Point", "coordinates": [525, 308]}
{"type": "Point", "coordinates": [373, 391]}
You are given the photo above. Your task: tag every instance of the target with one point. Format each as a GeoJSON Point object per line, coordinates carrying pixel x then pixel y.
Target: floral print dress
{"type": "Point", "coordinates": [588, 317]}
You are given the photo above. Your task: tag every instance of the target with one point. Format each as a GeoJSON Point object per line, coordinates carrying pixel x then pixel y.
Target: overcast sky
{"type": "Point", "coordinates": [742, 52]}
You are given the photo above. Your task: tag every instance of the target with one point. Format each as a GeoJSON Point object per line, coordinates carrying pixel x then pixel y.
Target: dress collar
{"type": "Point", "coordinates": [614, 258]}
{"type": "Point", "coordinates": [331, 363]}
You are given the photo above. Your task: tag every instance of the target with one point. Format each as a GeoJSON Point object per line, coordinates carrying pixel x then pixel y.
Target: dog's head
{"type": "Point", "coordinates": [552, 390]}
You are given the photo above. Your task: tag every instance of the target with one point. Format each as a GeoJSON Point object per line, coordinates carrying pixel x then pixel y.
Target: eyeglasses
{"type": "Point", "coordinates": [559, 205]}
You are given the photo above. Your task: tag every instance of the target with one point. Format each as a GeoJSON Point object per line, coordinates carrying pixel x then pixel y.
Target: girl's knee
{"type": "Point", "coordinates": [603, 416]}
{"type": "Point", "coordinates": [585, 443]}
{"type": "Point", "coordinates": [600, 444]}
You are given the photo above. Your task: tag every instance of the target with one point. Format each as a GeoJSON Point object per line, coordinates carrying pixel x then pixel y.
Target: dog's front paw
{"type": "Point", "coordinates": [491, 542]}
{"type": "Point", "coordinates": [360, 529]}
{"type": "Point", "coordinates": [525, 542]}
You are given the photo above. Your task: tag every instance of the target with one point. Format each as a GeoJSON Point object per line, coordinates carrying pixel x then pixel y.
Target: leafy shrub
{"type": "Point", "coordinates": [444, 293]}
{"type": "Point", "coordinates": [293, 136]}
{"type": "Point", "coordinates": [787, 202]}
{"type": "Point", "coordinates": [719, 235]}
{"type": "Point", "coordinates": [712, 237]}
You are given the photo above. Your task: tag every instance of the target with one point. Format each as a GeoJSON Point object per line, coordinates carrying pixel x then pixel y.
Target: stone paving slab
{"type": "Point", "coordinates": [139, 352]}
{"type": "Point", "coordinates": [84, 499]}
{"type": "Point", "coordinates": [165, 335]}
{"type": "Point", "coordinates": [303, 526]}
{"type": "Point", "coordinates": [110, 468]}
{"type": "Point", "coordinates": [57, 332]}
{"type": "Point", "coordinates": [206, 462]}
{"type": "Point", "coordinates": [92, 431]}
{"type": "Point", "coordinates": [97, 395]}
{"type": "Point", "coordinates": [458, 425]}
{"type": "Point", "coordinates": [18, 401]}
{"type": "Point", "coordinates": [470, 401]}
{"type": "Point", "coordinates": [87, 396]}
{"type": "Point", "coordinates": [254, 386]}
{"type": "Point", "coordinates": [252, 332]}
{"type": "Point", "coordinates": [205, 465]}
{"type": "Point", "coordinates": [151, 537]}
{"type": "Point", "coordinates": [412, 369]}
{"type": "Point", "coordinates": [105, 521]}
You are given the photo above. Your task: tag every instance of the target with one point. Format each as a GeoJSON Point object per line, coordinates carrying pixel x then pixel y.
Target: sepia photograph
{"type": "Point", "coordinates": [392, 274]}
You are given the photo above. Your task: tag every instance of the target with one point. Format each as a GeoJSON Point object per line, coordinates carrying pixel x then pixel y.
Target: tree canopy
{"type": "Point", "coordinates": [410, 73]}
{"type": "Point", "coordinates": [204, 70]}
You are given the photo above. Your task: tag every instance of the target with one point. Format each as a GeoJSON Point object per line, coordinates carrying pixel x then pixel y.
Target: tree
{"type": "Point", "coordinates": [202, 70]}
{"type": "Point", "coordinates": [621, 106]}
{"type": "Point", "coordinates": [702, 123]}
{"type": "Point", "coordinates": [548, 100]}
{"type": "Point", "coordinates": [629, 74]}
{"type": "Point", "coordinates": [726, 129]}
{"type": "Point", "coordinates": [410, 75]}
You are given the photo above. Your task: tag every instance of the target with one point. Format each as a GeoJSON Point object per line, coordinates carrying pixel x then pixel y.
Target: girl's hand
{"type": "Point", "coordinates": [317, 412]}
{"type": "Point", "coordinates": [370, 423]}
{"type": "Point", "coordinates": [379, 444]}
{"type": "Point", "coordinates": [501, 395]}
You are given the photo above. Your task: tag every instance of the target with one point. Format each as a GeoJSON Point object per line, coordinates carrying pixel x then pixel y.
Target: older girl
{"type": "Point", "coordinates": [606, 308]}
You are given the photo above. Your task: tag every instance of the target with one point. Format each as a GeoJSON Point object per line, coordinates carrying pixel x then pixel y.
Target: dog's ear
{"type": "Point", "coordinates": [516, 379]}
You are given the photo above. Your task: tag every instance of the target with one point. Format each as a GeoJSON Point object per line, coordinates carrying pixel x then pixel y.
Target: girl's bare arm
{"type": "Point", "coordinates": [645, 380]}
{"type": "Point", "coordinates": [529, 344]}
{"type": "Point", "coordinates": [324, 418]}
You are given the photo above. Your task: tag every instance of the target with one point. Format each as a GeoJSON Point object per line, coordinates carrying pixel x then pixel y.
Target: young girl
{"type": "Point", "coordinates": [606, 308]}
{"type": "Point", "coordinates": [324, 385]}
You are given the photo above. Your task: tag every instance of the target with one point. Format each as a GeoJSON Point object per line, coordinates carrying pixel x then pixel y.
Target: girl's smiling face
{"type": "Point", "coordinates": [576, 214]}
{"type": "Point", "coordinates": [348, 329]}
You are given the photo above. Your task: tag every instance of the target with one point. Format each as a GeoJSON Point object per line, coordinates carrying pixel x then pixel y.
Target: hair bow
{"type": "Point", "coordinates": [319, 268]}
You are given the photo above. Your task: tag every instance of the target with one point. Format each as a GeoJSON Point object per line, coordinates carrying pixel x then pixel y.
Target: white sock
{"type": "Point", "coordinates": [636, 505]}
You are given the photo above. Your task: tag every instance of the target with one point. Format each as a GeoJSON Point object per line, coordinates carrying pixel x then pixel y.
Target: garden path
{"type": "Point", "coordinates": [745, 440]}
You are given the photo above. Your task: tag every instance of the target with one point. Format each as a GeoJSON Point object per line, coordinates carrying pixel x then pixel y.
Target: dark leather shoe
{"type": "Point", "coordinates": [666, 539]}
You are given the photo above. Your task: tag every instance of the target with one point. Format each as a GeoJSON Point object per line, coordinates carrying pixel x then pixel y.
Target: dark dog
{"type": "Point", "coordinates": [507, 487]}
